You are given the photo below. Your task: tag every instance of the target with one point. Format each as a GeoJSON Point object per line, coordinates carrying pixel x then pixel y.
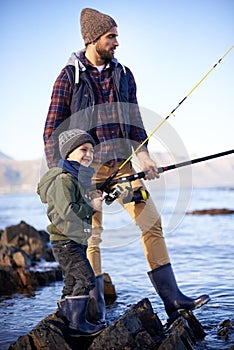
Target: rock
{"type": "Point", "coordinates": [183, 333]}
{"type": "Point", "coordinates": [23, 236]}
{"type": "Point", "coordinates": [26, 262]}
{"type": "Point", "coordinates": [22, 251]}
{"type": "Point", "coordinates": [10, 280]}
{"type": "Point", "coordinates": [48, 334]}
{"type": "Point", "coordinates": [27, 279]}
{"type": "Point", "coordinates": [139, 328]}
{"type": "Point", "coordinates": [109, 289]}
{"type": "Point", "coordinates": [15, 257]}
{"type": "Point", "coordinates": [21, 279]}
{"type": "Point", "coordinates": [224, 329]}
{"type": "Point", "coordinates": [222, 211]}
{"type": "Point", "coordinates": [21, 259]}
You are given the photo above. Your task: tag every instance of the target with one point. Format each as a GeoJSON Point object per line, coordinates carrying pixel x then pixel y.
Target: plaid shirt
{"type": "Point", "coordinates": [111, 145]}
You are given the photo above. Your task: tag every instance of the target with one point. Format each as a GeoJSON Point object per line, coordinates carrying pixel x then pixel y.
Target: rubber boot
{"type": "Point", "coordinates": [98, 294]}
{"type": "Point", "coordinates": [164, 282]}
{"type": "Point", "coordinates": [62, 307]}
{"type": "Point", "coordinates": [75, 310]}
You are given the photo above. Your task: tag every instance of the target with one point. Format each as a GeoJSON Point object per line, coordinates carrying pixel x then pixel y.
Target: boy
{"type": "Point", "coordinates": [70, 208]}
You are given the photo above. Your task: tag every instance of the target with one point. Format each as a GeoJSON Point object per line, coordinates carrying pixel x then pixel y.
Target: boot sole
{"type": "Point", "coordinates": [202, 302]}
{"type": "Point", "coordinates": [178, 312]}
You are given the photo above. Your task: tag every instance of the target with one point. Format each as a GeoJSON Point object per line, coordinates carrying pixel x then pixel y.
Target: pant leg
{"type": "Point", "coordinates": [147, 218]}
{"type": "Point", "coordinates": [79, 277]}
{"type": "Point", "coordinates": [93, 251]}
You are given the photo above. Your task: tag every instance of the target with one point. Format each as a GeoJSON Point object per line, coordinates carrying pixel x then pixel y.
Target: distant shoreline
{"type": "Point", "coordinates": [22, 177]}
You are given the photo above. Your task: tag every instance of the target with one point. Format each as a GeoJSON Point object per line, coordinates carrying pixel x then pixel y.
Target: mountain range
{"type": "Point", "coordinates": [23, 176]}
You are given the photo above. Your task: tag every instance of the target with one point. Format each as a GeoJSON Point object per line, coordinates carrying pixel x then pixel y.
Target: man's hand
{"type": "Point", "coordinates": [146, 163]}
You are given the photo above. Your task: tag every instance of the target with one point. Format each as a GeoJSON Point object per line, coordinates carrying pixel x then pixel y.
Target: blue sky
{"type": "Point", "coordinates": [169, 45]}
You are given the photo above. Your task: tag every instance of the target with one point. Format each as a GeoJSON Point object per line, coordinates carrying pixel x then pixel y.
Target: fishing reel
{"type": "Point", "coordinates": [139, 196]}
{"type": "Point", "coordinates": [128, 195]}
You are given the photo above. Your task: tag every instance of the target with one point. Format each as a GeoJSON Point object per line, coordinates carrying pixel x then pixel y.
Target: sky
{"type": "Point", "coordinates": [169, 45]}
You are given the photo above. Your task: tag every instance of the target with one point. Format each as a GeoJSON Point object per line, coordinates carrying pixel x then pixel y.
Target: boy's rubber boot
{"type": "Point", "coordinates": [164, 282]}
{"type": "Point", "coordinates": [98, 294]}
{"type": "Point", "coordinates": [62, 307]}
{"type": "Point", "coordinates": [74, 310]}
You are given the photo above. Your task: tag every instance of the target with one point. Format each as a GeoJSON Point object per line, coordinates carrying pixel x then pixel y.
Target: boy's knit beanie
{"type": "Point", "coordinates": [94, 24]}
{"type": "Point", "coordinates": [71, 139]}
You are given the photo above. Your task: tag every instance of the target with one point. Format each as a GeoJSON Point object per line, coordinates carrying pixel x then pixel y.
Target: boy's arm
{"type": "Point", "coordinates": [66, 203]}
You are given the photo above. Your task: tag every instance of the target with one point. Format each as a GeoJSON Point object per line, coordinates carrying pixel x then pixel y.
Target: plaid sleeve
{"type": "Point", "coordinates": [59, 111]}
{"type": "Point", "coordinates": [137, 130]}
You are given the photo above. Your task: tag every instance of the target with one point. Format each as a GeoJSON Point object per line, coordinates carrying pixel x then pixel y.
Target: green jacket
{"type": "Point", "coordinates": [68, 206]}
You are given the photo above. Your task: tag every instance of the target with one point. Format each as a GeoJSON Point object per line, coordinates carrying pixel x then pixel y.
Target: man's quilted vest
{"type": "Point", "coordinates": [83, 99]}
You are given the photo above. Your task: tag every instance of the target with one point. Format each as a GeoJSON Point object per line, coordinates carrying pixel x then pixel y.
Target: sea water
{"type": "Point", "coordinates": [200, 246]}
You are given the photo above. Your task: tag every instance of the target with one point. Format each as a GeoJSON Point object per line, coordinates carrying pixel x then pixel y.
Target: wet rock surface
{"type": "Point", "coordinates": [26, 259]}
{"type": "Point", "coordinates": [138, 328]}
{"type": "Point", "coordinates": [27, 262]}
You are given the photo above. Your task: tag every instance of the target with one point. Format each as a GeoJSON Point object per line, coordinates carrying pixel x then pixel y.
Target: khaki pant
{"type": "Point", "coordinates": [145, 215]}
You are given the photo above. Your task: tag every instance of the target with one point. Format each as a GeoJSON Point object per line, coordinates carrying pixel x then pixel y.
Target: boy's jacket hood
{"type": "Point", "coordinates": [46, 182]}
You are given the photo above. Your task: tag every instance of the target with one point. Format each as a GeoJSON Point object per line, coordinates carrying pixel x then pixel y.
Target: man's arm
{"type": "Point", "coordinates": [138, 133]}
{"type": "Point", "coordinates": [59, 111]}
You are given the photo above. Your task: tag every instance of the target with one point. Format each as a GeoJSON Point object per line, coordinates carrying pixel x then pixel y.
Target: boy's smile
{"type": "Point", "coordinates": [82, 154]}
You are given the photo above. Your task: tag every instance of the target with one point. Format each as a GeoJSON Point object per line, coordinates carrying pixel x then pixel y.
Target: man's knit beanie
{"type": "Point", "coordinates": [94, 24]}
{"type": "Point", "coordinates": [71, 139]}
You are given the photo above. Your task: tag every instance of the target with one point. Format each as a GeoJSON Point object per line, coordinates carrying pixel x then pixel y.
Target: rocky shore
{"type": "Point", "coordinates": [26, 259]}
{"type": "Point", "coordinates": [26, 262]}
{"type": "Point", "coordinates": [139, 328]}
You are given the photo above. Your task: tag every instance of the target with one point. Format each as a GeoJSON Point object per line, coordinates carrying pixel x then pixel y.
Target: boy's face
{"type": "Point", "coordinates": [82, 154]}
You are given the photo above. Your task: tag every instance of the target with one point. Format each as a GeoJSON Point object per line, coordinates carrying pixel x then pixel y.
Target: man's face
{"type": "Point", "coordinates": [107, 43]}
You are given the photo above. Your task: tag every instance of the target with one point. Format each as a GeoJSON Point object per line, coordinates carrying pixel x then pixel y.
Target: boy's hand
{"type": "Point", "coordinates": [96, 200]}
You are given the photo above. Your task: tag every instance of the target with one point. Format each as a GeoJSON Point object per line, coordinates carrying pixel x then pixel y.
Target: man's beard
{"type": "Point", "coordinates": [105, 55]}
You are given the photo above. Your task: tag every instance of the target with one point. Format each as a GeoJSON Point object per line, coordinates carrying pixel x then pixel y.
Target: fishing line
{"type": "Point", "coordinates": [172, 112]}
{"type": "Point", "coordinates": [112, 176]}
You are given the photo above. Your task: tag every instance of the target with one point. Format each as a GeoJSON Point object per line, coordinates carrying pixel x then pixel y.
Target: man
{"type": "Point", "coordinates": [98, 94]}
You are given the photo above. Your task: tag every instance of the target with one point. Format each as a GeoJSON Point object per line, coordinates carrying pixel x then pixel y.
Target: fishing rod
{"type": "Point", "coordinates": [142, 195]}
{"type": "Point", "coordinates": [112, 176]}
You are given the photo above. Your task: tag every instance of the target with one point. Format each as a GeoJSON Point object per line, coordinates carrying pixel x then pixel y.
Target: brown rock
{"type": "Point", "coordinates": [183, 333]}
{"type": "Point", "coordinates": [21, 250]}
{"type": "Point", "coordinates": [224, 329]}
{"type": "Point", "coordinates": [109, 289]}
{"type": "Point", "coordinates": [139, 328]}
{"type": "Point", "coordinates": [10, 280]}
{"type": "Point", "coordinates": [27, 238]}
{"type": "Point", "coordinates": [27, 279]}
{"type": "Point", "coordinates": [21, 260]}
{"type": "Point", "coordinates": [48, 335]}
{"type": "Point", "coordinates": [5, 256]}
{"type": "Point", "coordinates": [15, 257]}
